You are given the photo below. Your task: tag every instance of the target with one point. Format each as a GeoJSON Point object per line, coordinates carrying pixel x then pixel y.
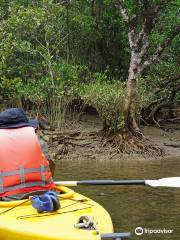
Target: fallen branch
{"type": "Point", "coordinates": [173, 119]}
{"type": "Point", "coordinates": [78, 144]}
{"type": "Point", "coordinates": [174, 145]}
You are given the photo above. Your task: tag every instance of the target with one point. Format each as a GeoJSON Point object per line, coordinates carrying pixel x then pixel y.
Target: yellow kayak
{"type": "Point", "coordinates": [20, 221]}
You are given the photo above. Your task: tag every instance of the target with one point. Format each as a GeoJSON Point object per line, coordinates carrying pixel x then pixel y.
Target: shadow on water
{"type": "Point", "coordinates": [131, 206]}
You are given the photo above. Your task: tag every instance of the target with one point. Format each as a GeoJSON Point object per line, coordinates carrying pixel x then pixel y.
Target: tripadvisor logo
{"type": "Point", "coordinates": [139, 231]}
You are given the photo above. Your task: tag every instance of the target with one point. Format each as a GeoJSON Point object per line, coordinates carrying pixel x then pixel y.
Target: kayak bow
{"type": "Point", "coordinates": [79, 218]}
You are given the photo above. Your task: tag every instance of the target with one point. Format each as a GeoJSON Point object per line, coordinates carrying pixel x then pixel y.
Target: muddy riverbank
{"type": "Point", "coordinates": [82, 141]}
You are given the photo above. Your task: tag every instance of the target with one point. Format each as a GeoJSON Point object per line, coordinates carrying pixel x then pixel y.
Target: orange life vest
{"type": "Point", "coordinates": [23, 166]}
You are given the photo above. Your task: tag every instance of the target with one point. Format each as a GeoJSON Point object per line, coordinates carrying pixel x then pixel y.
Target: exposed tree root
{"type": "Point", "coordinates": [126, 142]}
{"type": "Point", "coordinates": [90, 145]}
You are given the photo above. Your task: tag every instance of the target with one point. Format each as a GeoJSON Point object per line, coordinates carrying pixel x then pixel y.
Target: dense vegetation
{"type": "Point", "coordinates": [57, 53]}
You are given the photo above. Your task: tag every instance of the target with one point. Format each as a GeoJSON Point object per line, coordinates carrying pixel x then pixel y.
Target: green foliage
{"type": "Point", "coordinates": [9, 88]}
{"type": "Point", "coordinates": [35, 91]}
{"type": "Point", "coordinates": [29, 39]}
{"type": "Point", "coordinates": [106, 98]}
{"type": "Point", "coordinates": [153, 82]}
{"type": "Point", "coordinates": [78, 50]}
{"type": "Point", "coordinates": [32, 90]}
{"type": "Point", "coordinates": [69, 78]}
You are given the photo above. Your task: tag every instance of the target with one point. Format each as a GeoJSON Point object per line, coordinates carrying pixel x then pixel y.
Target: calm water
{"type": "Point", "coordinates": [131, 206]}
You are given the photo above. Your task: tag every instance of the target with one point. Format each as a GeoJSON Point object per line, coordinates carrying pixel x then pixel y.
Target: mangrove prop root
{"type": "Point", "coordinates": [126, 142]}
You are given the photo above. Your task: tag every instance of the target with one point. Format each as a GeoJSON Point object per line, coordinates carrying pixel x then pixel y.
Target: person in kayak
{"type": "Point", "coordinates": [23, 165]}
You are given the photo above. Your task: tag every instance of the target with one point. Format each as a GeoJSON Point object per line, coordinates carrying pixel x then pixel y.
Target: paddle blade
{"type": "Point", "coordinates": [164, 182]}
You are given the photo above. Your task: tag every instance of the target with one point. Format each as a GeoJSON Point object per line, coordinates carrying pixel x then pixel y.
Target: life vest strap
{"type": "Point", "coordinates": [1, 182]}
{"type": "Point", "coordinates": [29, 184]}
{"type": "Point", "coordinates": [21, 172]}
{"type": "Point", "coordinates": [43, 176]}
{"type": "Point", "coordinates": [22, 175]}
{"type": "Point", "coordinates": [17, 172]}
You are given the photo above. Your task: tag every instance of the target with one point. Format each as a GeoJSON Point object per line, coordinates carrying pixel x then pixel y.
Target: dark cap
{"type": "Point", "coordinates": [16, 118]}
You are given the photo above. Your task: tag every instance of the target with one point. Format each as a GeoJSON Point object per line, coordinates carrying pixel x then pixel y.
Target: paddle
{"type": "Point", "coordinates": [163, 182]}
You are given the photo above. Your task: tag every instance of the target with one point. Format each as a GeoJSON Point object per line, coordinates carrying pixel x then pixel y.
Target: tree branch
{"type": "Point", "coordinates": [145, 45]}
{"type": "Point", "coordinates": [171, 81]}
{"type": "Point", "coordinates": [120, 6]}
{"type": "Point", "coordinates": [162, 47]}
{"type": "Point", "coordinates": [149, 17]}
{"type": "Point", "coordinates": [131, 21]}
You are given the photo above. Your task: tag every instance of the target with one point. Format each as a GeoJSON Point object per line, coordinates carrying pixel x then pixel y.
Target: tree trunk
{"type": "Point", "coordinates": [130, 119]}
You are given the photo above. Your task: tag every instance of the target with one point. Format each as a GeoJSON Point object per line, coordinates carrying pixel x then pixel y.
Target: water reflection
{"type": "Point", "coordinates": [131, 206]}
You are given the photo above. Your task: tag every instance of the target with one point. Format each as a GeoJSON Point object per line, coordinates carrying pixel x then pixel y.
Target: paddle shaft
{"type": "Point", "coordinates": [163, 182]}
{"type": "Point", "coordinates": [111, 182]}
{"type": "Point", "coordinates": [101, 182]}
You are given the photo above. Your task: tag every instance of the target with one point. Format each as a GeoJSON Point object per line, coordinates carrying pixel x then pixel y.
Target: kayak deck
{"type": "Point", "coordinates": [20, 221]}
